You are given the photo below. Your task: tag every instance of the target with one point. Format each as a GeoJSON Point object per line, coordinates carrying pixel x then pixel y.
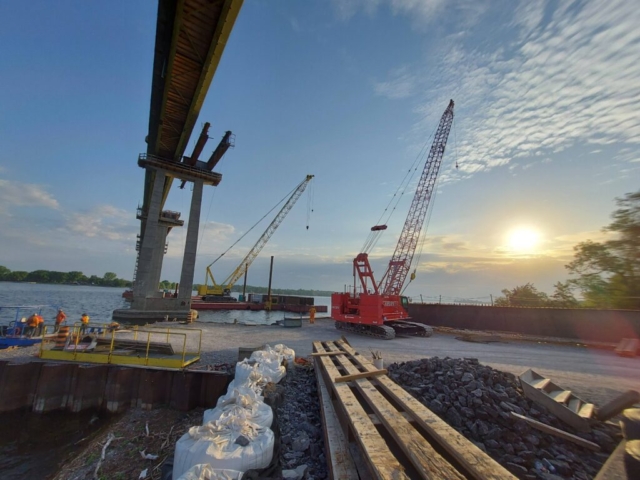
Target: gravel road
{"type": "Point", "coordinates": [595, 375]}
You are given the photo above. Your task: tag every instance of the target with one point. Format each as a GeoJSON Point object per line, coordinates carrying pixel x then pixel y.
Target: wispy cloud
{"type": "Point", "coordinates": [402, 84]}
{"type": "Point", "coordinates": [18, 194]}
{"type": "Point", "coordinates": [105, 222]}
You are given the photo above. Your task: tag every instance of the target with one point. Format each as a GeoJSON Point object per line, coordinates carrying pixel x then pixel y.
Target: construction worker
{"type": "Point", "coordinates": [312, 315]}
{"type": "Point", "coordinates": [60, 319]}
{"type": "Point", "coordinates": [85, 321]}
{"type": "Point", "coordinates": [32, 324]}
{"type": "Point", "coordinates": [39, 324]}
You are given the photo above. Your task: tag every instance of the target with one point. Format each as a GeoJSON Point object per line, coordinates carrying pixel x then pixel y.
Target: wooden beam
{"type": "Point", "coordinates": [326, 354]}
{"type": "Point", "coordinates": [428, 463]}
{"type": "Point", "coordinates": [377, 454]}
{"type": "Point", "coordinates": [356, 376]}
{"type": "Point", "coordinates": [478, 464]}
{"type": "Point", "coordinates": [557, 432]}
{"type": "Point", "coordinates": [339, 460]}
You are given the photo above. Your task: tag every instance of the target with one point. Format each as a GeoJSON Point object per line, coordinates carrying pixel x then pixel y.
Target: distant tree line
{"type": "Point", "coordinates": [109, 279]}
{"type": "Point", "coordinates": [607, 274]}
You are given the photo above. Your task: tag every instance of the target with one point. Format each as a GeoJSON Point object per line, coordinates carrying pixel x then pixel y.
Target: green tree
{"type": "Point", "coordinates": [522, 296]}
{"type": "Point", "coordinates": [4, 272]}
{"type": "Point", "coordinates": [76, 277]}
{"type": "Point", "coordinates": [563, 296]}
{"type": "Point", "coordinates": [40, 276]}
{"type": "Point", "coordinates": [17, 276]}
{"type": "Point", "coordinates": [608, 274]}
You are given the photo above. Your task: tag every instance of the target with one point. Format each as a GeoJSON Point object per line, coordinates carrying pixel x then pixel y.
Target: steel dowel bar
{"type": "Point", "coordinates": [427, 462]}
{"type": "Point", "coordinates": [478, 464]}
{"type": "Point", "coordinates": [380, 459]}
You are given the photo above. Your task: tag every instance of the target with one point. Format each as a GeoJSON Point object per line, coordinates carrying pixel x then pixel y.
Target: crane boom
{"type": "Point", "coordinates": [225, 287]}
{"type": "Point", "coordinates": [400, 263]}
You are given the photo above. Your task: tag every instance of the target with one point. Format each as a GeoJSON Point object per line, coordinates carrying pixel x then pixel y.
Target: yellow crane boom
{"type": "Point", "coordinates": [224, 289]}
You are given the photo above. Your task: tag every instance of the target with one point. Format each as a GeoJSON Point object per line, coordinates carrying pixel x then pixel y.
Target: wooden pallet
{"type": "Point", "coordinates": [390, 434]}
{"type": "Point", "coordinates": [563, 403]}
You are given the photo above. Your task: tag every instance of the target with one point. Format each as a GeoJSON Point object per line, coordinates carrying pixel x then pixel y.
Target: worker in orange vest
{"type": "Point", "coordinates": [39, 324]}
{"type": "Point", "coordinates": [60, 318]}
{"type": "Point", "coordinates": [312, 315]}
{"type": "Point", "coordinates": [85, 321]}
{"type": "Point", "coordinates": [32, 325]}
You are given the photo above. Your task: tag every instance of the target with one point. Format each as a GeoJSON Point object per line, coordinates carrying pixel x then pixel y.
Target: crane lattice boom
{"type": "Point", "coordinates": [400, 263]}
{"type": "Point", "coordinates": [262, 241]}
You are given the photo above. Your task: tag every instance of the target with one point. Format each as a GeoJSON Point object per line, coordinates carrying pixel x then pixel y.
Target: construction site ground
{"type": "Point", "coordinates": [595, 374]}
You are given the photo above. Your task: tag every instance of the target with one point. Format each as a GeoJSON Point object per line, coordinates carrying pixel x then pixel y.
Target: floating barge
{"type": "Point", "coordinates": [257, 302]}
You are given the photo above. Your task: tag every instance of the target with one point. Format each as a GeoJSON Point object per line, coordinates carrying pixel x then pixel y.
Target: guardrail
{"type": "Point", "coordinates": [101, 343]}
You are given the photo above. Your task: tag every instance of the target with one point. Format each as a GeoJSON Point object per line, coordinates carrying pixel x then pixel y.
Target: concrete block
{"type": "Point", "coordinates": [18, 383]}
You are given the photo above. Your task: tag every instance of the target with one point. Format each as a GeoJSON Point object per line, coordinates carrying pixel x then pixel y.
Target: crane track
{"type": "Point", "coordinates": [384, 332]}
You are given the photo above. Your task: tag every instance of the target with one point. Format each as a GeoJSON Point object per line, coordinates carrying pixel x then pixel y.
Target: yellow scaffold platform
{"type": "Point", "coordinates": [102, 343]}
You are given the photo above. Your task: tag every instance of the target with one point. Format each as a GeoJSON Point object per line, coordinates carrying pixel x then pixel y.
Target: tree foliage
{"type": "Point", "coordinates": [109, 279]}
{"type": "Point", "coordinates": [608, 274]}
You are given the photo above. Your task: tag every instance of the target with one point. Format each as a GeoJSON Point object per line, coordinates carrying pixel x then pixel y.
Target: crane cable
{"type": "Point", "coordinates": [256, 224]}
{"type": "Point", "coordinates": [374, 236]}
{"type": "Point", "coordinates": [423, 230]}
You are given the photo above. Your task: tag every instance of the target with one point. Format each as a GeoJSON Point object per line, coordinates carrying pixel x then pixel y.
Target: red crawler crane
{"type": "Point", "coordinates": [378, 309]}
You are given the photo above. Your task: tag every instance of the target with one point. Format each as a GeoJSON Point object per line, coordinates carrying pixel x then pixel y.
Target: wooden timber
{"type": "Point", "coordinates": [340, 463]}
{"type": "Point", "coordinates": [543, 427]}
{"type": "Point", "coordinates": [402, 425]}
{"type": "Point", "coordinates": [473, 461]}
{"type": "Point", "coordinates": [358, 375]}
{"type": "Point", "coordinates": [381, 462]}
{"type": "Point", "coordinates": [561, 402]}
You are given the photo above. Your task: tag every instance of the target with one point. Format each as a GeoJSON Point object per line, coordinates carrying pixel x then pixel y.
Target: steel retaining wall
{"type": "Point", "coordinates": [45, 386]}
{"type": "Point", "coordinates": [579, 324]}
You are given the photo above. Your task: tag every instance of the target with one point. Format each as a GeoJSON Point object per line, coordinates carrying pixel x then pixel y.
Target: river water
{"type": "Point", "coordinates": [100, 302]}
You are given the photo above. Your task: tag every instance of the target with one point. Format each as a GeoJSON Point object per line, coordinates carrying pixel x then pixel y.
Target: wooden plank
{"type": "Point", "coordinates": [541, 384]}
{"type": "Point", "coordinates": [325, 354]}
{"type": "Point", "coordinates": [478, 464]}
{"type": "Point", "coordinates": [587, 410]}
{"type": "Point", "coordinates": [383, 463]}
{"type": "Point", "coordinates": [427, 462]}
{"type": "Point", "coordinates": [356, 376]}
{"type": "Point", "coordinates": [376, 421]}
{"type": "Point", "coordinates": [557, 432]}
{"type": "Point", "coordinates": [561, 396]}
{"type": "Point", "coordinates": [339, 461]}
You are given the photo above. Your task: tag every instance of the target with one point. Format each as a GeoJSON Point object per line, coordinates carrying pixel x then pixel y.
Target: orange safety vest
{"type": "Point", "coordinates": [32, 321]}
{"type": "Point", "coordinates": [39, 319]}
{"type": "Point", "coordinates": [61, 317]}
{"type": "Point", "coordinates": [85, 319]}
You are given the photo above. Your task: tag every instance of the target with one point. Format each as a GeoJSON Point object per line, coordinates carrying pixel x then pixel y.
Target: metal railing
{"type": "Point", "coordinates": [74, 345]}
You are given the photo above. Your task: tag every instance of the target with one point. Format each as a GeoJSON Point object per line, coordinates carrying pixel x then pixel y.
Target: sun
{"type": "Point", "coordinates": [523, 240]}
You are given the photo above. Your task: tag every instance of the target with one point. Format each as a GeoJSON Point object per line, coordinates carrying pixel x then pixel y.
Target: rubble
{"type": "Point", "coordinates": [477, 400]}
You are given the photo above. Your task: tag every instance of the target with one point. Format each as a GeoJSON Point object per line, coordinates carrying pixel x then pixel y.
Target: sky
{"type": "Point", "coordinates": [546, 135]}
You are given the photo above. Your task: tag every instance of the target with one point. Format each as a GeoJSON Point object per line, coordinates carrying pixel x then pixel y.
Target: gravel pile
{"type": "Point", "coordinates": [302, 441]}
{"type": "Point", "coordinates": [476, 400]}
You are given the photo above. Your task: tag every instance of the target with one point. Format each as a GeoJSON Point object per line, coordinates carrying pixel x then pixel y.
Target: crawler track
{"type": "Point", "coordinates": [377, 331]}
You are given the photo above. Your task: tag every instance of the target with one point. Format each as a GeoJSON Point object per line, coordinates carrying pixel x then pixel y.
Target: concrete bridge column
{"type": "Point", "coordinates": [144, 285]}
{"type": "Point", "coordinates": [191, 245]}
{"type": "Point", "coordinates": [158, 256]}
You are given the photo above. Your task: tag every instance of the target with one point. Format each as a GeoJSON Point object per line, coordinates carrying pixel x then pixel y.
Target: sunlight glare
{"type": "Point", "coordinates": [523, 240]}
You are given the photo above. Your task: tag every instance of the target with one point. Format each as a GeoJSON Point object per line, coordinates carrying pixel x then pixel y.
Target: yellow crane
{"type": "Point", "coordinates": [222, 291]}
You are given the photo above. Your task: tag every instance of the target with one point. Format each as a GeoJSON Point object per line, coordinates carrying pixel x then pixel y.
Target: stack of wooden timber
{"type": "Point", "coordinates": [374, 429]}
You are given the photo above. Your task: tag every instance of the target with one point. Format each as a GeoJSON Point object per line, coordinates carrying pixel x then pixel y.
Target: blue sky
{"type": "Point", "coordinates": [546, 135]}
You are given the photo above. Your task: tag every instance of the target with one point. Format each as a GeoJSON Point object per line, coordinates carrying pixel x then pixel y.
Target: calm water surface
{"type": "Point", "coordinates": [100, 302]}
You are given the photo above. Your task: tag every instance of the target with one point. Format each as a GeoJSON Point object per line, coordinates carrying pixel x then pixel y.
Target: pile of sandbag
{"type": "Point", "coordinates": [235, 436]}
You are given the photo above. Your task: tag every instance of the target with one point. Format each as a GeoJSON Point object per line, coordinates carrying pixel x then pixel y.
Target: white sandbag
{"type": "Point", "coordinates": [256, 382]}
{"type": "Point", "coordinates": [269, 364]}
{"type": "Point", "coordinates": [205, 471]}
{"type": "Point", "coordinates": [243, 370]}
{"type": "Point", "coordinates": [267, 354]}
{"type": "Point", "coordinates": [247, 406]}
{"type": "Point", "coordinates": [215, 444]}
{"type": "Point", "coordinates": [288, 353]}
{"type": "Point", "coordinates": [234, 391]}
{"type": "Point", "coordinates": [271, 372]}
